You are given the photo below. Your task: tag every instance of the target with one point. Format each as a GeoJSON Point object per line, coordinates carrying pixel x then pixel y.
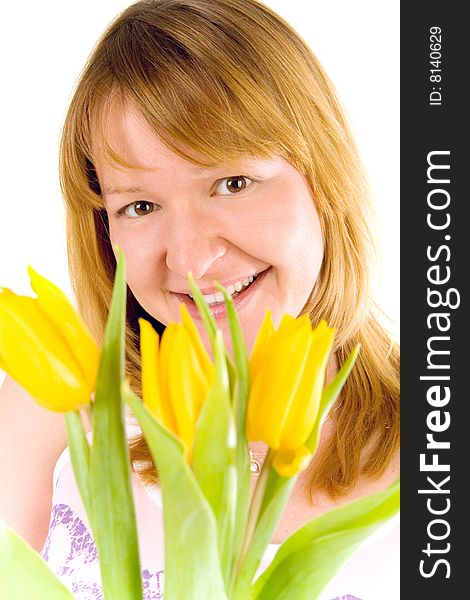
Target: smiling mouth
{"type": "Point", "coordinates": [234, 290]}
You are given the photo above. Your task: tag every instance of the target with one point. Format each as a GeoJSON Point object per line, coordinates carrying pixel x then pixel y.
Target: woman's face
{"type": "Point", "coordinates": [255, 218]}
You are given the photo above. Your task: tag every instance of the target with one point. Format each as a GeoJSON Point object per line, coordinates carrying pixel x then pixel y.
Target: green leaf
{"type": "Point", "coordinates": [240, 391]}
{"type": "Point", "coordinates": [328, 398]}
{"type": "Point", "coordinates": [213, 458]}
{"type": "Point", "coordinates": [206, 315]}
{"type": "Point", "coordinates": [23, 573]}
{"type": "Point", "coordinates": [211, 328]}
{"type": "Point", "coordinates": [192, 563]}
{"type": "Point", "coordinates": [240, 356]}
{"type": "Point", "coordinates": [80, 457]}
{"type": "Point", "coordinates": [309, 558]}
{"type": "Point", "coordinates": [114, 524]}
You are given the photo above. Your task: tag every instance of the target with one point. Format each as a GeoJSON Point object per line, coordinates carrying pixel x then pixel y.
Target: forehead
{"type": "Point", "coordinates": [130, 136]}
{"type": "Point", "coordinates": [126, 131]}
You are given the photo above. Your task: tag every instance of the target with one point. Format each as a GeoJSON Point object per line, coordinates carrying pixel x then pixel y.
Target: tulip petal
{"type": "Point", "coordinates": [305, 405]}
{"type": "Point", "coordinates": [181, 386]}
{"type": "Point", "coordinates": [165, 358]}
{"type": "Point", "coordinates": [203, 358]}
{"type": "Point", "coordinates": [288, 463]}
{"type": "Point", "coordinates": [149, 343]}
{"type": "Point", "coordinates": [57, 307]}
{"type": "Point", "coordinates": [188, 385]}
{"type": "Point", "coordinates": [263, 338]}
{"type": "Point", "coordinates": [34, 354]}
{"type": "Point", "coordinates": [329, 396]}
{"type": "Point", "coordinates": [276, 384]}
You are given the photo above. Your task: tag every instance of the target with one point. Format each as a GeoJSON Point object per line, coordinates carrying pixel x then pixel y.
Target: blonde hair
{"type": "Point", "coordinates": [227, 78]}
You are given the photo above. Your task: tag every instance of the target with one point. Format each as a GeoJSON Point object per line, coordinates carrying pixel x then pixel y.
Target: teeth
{"type": "Point", "coordinates": [218, 297]}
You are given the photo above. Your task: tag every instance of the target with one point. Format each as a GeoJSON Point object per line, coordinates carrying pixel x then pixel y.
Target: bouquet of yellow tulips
{"type": "Point", "coordinates": [197, 416]}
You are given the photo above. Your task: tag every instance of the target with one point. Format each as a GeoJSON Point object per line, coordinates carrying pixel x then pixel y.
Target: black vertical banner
{"type": "Point", "coordinates": [435, 255]}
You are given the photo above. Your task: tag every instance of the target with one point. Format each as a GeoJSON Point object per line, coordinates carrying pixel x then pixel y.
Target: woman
{"type": "Point", "coordinates": [204, 136]}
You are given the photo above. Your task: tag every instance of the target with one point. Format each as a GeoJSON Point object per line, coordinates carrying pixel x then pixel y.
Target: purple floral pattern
{"type": "Point", "coordinates": [81, 540]}
{"type": "Point", "coordinates": [81, 551]}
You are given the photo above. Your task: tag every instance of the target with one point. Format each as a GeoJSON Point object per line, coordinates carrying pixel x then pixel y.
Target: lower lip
{"type": "Point", "coordinates": [218, 310]}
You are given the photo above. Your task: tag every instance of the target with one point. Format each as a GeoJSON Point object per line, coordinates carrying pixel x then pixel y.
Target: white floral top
{"type": "Point", "coordinates": [372, 573]}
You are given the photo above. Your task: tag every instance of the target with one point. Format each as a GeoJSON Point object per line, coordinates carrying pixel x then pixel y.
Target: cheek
{"type": "Point", "coordinates": [300, 252]}
{"type": "Point", "coordinates": [304, 249]}
{"type": "Point", "coordinates": [292, 235]}
{"type": "Point", "coordinates": [141, 256]}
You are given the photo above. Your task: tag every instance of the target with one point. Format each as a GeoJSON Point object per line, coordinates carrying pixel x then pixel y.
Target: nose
{"type": "Point", "coordinates": [192, 244]}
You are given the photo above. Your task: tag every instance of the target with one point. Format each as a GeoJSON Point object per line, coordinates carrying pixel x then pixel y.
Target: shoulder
{"type": "Point", "coordinates": [132, 430]}
{"type": "Point", "coordinates": [31, 440]}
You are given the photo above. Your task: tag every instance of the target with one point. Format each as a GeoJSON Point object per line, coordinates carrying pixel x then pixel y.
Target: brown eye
{"type": "Point", "coordinates": [233, 184]}
{"type": "Point", "coordinates": [140, 208]}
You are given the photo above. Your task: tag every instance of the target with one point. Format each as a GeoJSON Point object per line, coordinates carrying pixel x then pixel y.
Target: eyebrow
{"type": "Point", "coordinates": [120, 189]}
{"type": "Point", "coordinates": [109, 191]}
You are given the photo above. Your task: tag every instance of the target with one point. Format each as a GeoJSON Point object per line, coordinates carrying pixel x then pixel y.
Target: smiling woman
{"type": "Point", "coordinates": [169, 221]}
{"type": "Point", "coordinates": [191, 145]}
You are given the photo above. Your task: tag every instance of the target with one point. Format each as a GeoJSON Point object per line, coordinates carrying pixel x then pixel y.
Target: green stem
{"type": "Point", "coordinates": [254, 512]}
{"type": "Point", "coordinates": [277, 490]}
{"type": "Point", "coordinates": [80, 457]}
{"type": "Point", "coordinates": [240, 382]}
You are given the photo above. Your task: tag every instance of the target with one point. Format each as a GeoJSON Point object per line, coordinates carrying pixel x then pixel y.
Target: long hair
{"type": "Point", "coordinates": [228, 78]}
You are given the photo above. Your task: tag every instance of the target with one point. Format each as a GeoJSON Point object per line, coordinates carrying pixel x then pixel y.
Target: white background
{"type": "Point", "coordinates": [43, 47]}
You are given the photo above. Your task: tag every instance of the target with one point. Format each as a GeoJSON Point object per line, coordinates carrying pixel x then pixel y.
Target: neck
{"type": "Point", "coordinates": [259, 449]}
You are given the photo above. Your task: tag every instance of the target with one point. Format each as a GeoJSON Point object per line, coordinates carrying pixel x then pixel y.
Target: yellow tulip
{"type": "Point", "coordinates": [287, 374]}
{"type": "Point", "coordinates": [46, 347]}
{"type": "Point", "coordinates": [258, 355]}
{"type": "Point", "coordinates": [176, 375]}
